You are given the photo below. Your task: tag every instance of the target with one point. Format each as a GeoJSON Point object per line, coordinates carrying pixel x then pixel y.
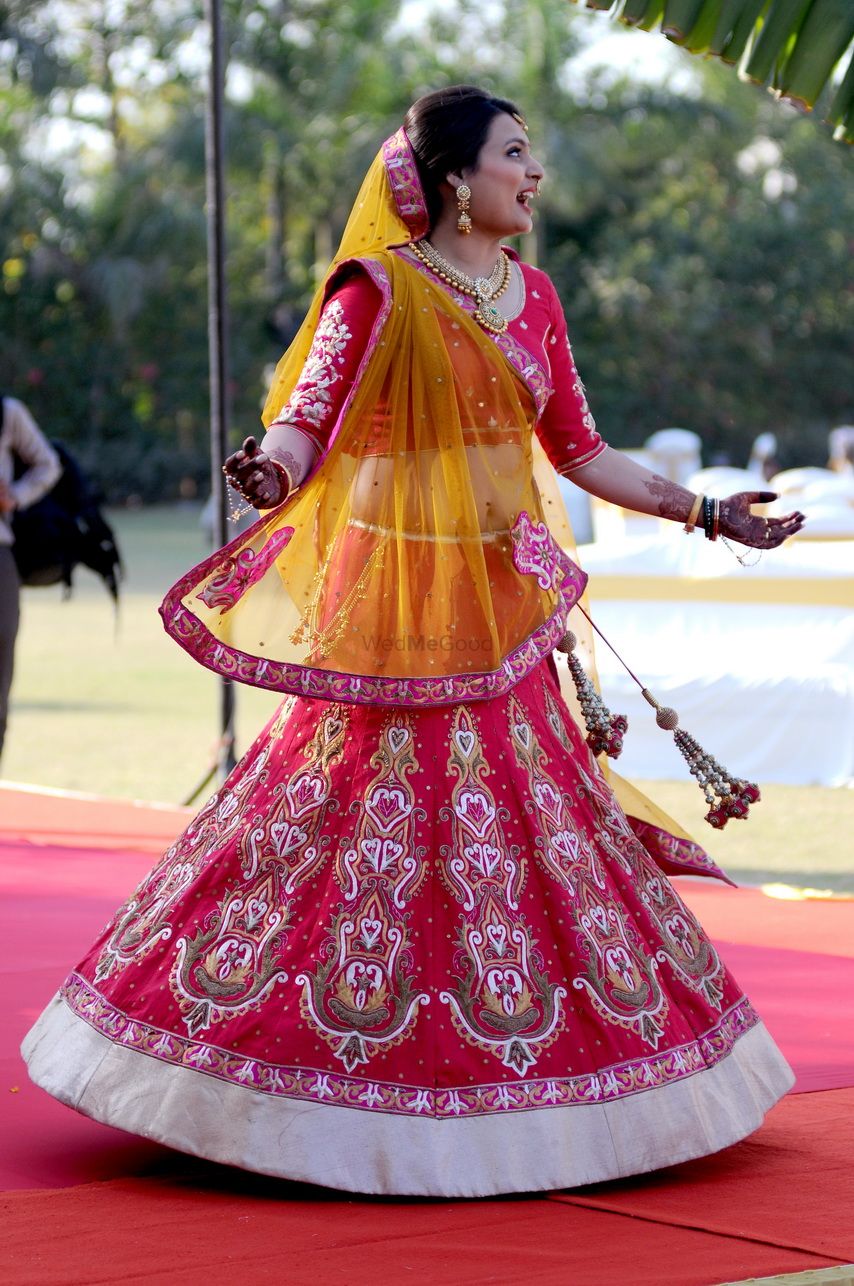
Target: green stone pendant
{"type": "Point", "coordinates": [490, 318]}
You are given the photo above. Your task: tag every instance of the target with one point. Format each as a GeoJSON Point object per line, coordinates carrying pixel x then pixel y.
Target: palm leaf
{"type": "Point", "coordinates": [793, 46]}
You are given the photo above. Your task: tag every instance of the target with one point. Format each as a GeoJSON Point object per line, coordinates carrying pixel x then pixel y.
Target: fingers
{"type": "Point", "coordinates": [252, 474]}
{"type": "Point", "coordinates": [779, 529]}
{"type": "Point", "coordinates": [240, 467]}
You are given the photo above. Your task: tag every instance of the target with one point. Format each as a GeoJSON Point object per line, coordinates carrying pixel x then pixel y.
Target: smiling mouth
{"type": "Point", "coordinates": [524, 197]}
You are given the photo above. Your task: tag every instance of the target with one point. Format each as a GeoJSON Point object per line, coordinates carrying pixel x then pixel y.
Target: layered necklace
{"type": "Point", "coordinates": [483, 290]}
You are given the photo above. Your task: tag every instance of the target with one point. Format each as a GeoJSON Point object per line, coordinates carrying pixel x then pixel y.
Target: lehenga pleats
{"type": "Point", "coordinates": [413, 951]}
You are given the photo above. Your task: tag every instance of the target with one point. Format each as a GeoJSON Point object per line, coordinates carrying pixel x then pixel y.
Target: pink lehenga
{"type": "Point", "coordinates": [414, 944]}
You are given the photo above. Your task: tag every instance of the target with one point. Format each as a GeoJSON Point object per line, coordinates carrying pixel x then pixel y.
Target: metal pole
{"type": "Point", "coordinates": [218, 332]}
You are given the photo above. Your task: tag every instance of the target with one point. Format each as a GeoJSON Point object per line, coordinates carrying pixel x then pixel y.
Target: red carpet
{"type": "Point", "coordinates": [95, 1205]}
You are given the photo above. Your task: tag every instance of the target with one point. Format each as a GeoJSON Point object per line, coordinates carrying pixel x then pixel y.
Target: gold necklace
{"type": "Point", "coordinates": [485, 286]}
{"type": "Point", "coordinates": [483, 290]}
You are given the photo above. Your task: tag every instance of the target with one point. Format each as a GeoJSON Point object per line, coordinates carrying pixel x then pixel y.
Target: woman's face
{"type": "Point", "coordinates": [506, 177]}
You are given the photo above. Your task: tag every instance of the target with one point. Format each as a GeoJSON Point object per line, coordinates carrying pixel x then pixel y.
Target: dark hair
{"type": "Point", "coordinates": [446, 130]}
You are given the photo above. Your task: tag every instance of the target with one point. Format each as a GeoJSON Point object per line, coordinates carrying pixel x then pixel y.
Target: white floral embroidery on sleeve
{"type": "Point", "coordinates": [578, 389]}
{"type": "Point", "coordinates": [311, 400]}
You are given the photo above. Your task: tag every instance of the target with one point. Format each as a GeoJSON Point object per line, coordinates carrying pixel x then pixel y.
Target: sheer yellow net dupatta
{"type": "Point", "coordinates": [414, 565]}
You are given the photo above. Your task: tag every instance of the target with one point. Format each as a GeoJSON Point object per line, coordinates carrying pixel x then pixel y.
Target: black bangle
{"type": "Point", "coordinates": [708, 512]}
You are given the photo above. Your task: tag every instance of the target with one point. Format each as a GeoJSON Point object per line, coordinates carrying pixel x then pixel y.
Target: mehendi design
{"type": "Point", "coordinates": [673, 501]}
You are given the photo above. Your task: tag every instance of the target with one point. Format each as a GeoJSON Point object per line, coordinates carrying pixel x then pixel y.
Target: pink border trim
{"type": "Point", "coordinates": [402, 173]}
{"type": "Point", "coordinates": [335, 685]}
{"type": "Point", "coordinates": [676, 856]}
{"type": "Point", "coordinates": [619, 1081]}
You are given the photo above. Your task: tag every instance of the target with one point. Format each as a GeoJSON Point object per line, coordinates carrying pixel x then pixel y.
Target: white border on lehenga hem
{"type": "Point", "coordinates": [354, 1151]}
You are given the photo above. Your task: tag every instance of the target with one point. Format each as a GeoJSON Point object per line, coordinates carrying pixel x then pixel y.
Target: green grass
{"type": "Point", "coordinates": [119, 709]}
{"type": "Point", "coordinates": [126, 712]}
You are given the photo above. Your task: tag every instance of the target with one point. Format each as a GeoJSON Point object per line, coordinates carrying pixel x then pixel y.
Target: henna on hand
{"type": "Point", "coordinates": [738, 523]}
{"type": "Point", "coordinates": [260, 480]}
{"type": "Point", "coordinates": [674, 501]}
{"type": "Point", "coordinates": [289, 462]}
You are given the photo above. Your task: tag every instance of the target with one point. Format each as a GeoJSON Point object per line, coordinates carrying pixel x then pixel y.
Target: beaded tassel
{"type": "Point", "coordinates": [605, 731]}
{"type": "Point", "coordinates": [727, 796]}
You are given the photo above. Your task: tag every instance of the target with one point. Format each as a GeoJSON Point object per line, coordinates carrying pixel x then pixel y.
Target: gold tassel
{"type": "Point", "coordinates": [605, 731]}
{"type": "Point", "coordinates": [727, 796]}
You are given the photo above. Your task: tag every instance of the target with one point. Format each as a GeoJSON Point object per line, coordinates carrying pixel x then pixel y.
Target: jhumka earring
{"type": "Point", "coordinates": [463, 217]}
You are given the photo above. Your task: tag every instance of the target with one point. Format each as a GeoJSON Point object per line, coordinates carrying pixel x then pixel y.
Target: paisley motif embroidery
{"type": "Point", "coordinates": [554, 718]}
{"type": "Point", "coordinates": [534, 552]}
{"type": "Point", "coordinates": [620, 978]}
{"type": "Point", "coordinates": [234, 959]}
{"type": "Point", "coordinates": [502, 1001]}
{"type": "Point", "coordinates": [683, 944]}
{"type": "Point", "coordinates": [362, 998]}
{"type": "Point", "coordinates": [144, 920]}
{"type": "Point", "coordinates": [562, 847]}
{"type": "Point", "coordinates": [311, 401]}
{"type": "Point", "coordinates": [284, 835]}
{"type": "Point", "coordinates": [239, 573]}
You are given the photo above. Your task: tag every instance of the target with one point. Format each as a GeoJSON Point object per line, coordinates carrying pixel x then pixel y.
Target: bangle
{"type": "Point", "coordinates": [707, 517]}
{"type": "Point", "coordinates": [692, 517]}
{"type": "Point", "coordinates": [716, 519]}
{"type": "Point", "coordinates": [284, 478]}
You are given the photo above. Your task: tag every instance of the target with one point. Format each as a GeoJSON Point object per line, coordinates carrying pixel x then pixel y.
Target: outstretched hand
{"type": "Point", "coordinates": [738, 523]}
{"type": "Point", "coordinates": [251, 472]}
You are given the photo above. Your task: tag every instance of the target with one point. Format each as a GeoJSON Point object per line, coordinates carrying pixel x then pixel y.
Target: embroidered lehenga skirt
{"type": "Point", "coordinates": [414, 952]}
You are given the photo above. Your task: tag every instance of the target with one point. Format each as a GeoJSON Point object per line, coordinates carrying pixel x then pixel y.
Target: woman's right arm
{"type": "Point", "coordinates": [299, 436]}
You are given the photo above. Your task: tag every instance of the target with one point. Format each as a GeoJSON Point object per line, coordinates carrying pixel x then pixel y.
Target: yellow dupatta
{"type": "Point", "coordinates": [414, 565]}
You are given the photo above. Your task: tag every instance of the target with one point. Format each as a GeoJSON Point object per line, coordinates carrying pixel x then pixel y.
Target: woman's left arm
{"type": "Point", "coordinates": [622, 481]}
{"type": "Point", "coordinates": [572, 443]}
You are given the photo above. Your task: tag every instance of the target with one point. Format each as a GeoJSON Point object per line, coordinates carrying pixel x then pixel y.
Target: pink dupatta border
{"type": "Point", "coordinates": [402, 173]}
{"type": "Point", "coordinates": [336, 685]}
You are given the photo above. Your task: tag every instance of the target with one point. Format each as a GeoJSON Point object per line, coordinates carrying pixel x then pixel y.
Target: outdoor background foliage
{"type": "Point", "coordinates": [699, 233]}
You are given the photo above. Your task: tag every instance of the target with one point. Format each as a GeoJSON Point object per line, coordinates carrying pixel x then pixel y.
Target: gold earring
{"type": "Point", "coordinates": [463, 217]}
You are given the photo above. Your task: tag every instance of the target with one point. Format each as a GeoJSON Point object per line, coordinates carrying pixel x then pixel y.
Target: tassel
{"type": "Point", "coordinates": [727, 796]}
{"type": "Point", "coordinates": [605, 731]}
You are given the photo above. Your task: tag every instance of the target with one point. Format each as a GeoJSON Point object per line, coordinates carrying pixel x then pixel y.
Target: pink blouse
{"type": "Point", "coordinates": [566, 427]}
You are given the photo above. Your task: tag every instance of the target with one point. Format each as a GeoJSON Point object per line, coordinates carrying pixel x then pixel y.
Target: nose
{"type": "Point", "coordinates": [535, 169]}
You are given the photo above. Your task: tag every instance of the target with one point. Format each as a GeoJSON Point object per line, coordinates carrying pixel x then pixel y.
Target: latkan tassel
{"type": "Point", "coordinates": [727, 796]}
{"type": "Point", "coordinates": [605, 731]}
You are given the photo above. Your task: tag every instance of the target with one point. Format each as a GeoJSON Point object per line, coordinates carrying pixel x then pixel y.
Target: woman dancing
{"type": "Point", "coordinates": [414, 944]}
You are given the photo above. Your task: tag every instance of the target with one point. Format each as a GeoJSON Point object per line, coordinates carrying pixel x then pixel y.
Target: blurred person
{"type": "Point", "coordinates": [763, 461]}
{"type": "Point", "coordinates": [414, 944]}
{"type": "Point", "coordinates": [841, 453]}
{"type": "Point", "coordinates": [26, 451]}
